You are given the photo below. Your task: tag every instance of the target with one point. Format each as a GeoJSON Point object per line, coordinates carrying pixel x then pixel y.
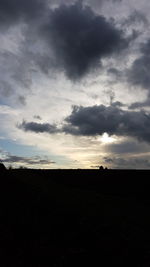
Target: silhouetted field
{"type": "Point", "coordinates": [74, 217]}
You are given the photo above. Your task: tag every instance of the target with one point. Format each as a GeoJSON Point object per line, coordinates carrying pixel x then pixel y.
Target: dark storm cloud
{"type": "Point", "coordinates": [131, 163]}
{"type": "Point", "coordinates": [13, 10]}
{"type": "Point", "coordinates": [96, 120]}
{"type": "Point", "coordinates": [38, 127]}
{"type": "Point", "coordinates": [139, 73]}
{"type": "Point", "coordinates": [80, 38]}
{"type": "Point", "coordinates": [75, 38]}
{"type": "Point", "coordinates": [127, 147]}
{"type": "Point", "coordinates": [25, 160]}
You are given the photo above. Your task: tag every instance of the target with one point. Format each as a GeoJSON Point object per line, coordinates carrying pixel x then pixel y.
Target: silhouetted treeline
{"type": "Point", "coordinates": [74, 217]}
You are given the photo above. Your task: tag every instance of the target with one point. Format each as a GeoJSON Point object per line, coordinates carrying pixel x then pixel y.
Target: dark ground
{"type": "Point", "coordinates": [74, 218]}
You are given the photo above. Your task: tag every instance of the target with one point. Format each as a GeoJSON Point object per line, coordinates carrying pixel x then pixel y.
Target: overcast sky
{"type": "Point", "coordinates": [75, 83]}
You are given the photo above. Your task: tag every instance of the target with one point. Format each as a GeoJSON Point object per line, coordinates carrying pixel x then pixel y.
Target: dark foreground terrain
{"type": "Point", "coordinates": [74, 218]}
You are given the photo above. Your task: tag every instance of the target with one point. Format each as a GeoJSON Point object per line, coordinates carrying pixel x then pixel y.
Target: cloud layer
{"type": "Point", "coordinates": [11, 159]}
{"type": "Point", "coordinates": [96, 120]}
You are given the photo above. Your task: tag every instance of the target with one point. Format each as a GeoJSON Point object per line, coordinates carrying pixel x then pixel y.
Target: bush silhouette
{"type": "Point", "coordinates": [101, 168]}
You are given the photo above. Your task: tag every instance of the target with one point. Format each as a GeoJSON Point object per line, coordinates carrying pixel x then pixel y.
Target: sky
{"type": "Point", "coordinates": [75, 83]}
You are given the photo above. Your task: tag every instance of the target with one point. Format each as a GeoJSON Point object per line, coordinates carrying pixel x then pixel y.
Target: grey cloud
{"type": "Point", "coordinates": [139, 73]}
{"type": "Point", "coordinates": [26, 160]}
{"type": "Point", "coordinates": [22, 71]}
{"type": "Point", "coordinates": [22, 100]}
{"type": "Point", "coordinates": [127, 147]}
{"type": "Point", "coordinates": [37, 117]}
{"type": "Point", "coordinates": [135, 17]}
{"type": "Point", "coordinates": [80, 38]}
{"type": "Point", "coordinates": [15, 68]}
{"type": "Point", "coordinates": [5, 89]}
{"type": "Point", "coordinates": [95, 38]}
{"type": "Point", "coordinates": [7, 92]}
{"type": "Point", "coordinates": [115, 72]}
{"type": "Point", "coordinates": [137, 105]}
{"type": "Point", "coordinates": [108, 160]}
{"type": "Point", "coordinates": [128, 163]}
{"type": "Point", "coordinates": [95, 120]}
{"type": "Point", "coordinates": [95, 3]}
{"type": "Point", "coordinates": [117, 75]}
{"type": "Point", "coordinates": [117, 104]}
{"type": "Point", "coordinates": [99, 2]}
{"type": "Point", "coordinates": [14, 10]}
{"type": "Point", "coordinates": [38, 127]}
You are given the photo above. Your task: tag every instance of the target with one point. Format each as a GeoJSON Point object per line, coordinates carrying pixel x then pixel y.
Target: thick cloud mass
{"type": "Point", "coordinates": [12, 10]}
{"type": "Point", "coordinates": [38, 127]}
{"type": "Point", "coordinates": [80, 38]}
{"type": "Point", "coordinates": [139, 74]}
{"type": "Point", "coordinates": [96, 120]}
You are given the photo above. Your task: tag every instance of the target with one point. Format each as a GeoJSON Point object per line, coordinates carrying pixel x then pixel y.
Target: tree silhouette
{"type": "Point", "coordinates": [2, 167]}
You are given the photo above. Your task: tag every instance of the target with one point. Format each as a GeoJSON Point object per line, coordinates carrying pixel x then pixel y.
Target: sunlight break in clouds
{"type": "Point", "coordinates": [107, 139]}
